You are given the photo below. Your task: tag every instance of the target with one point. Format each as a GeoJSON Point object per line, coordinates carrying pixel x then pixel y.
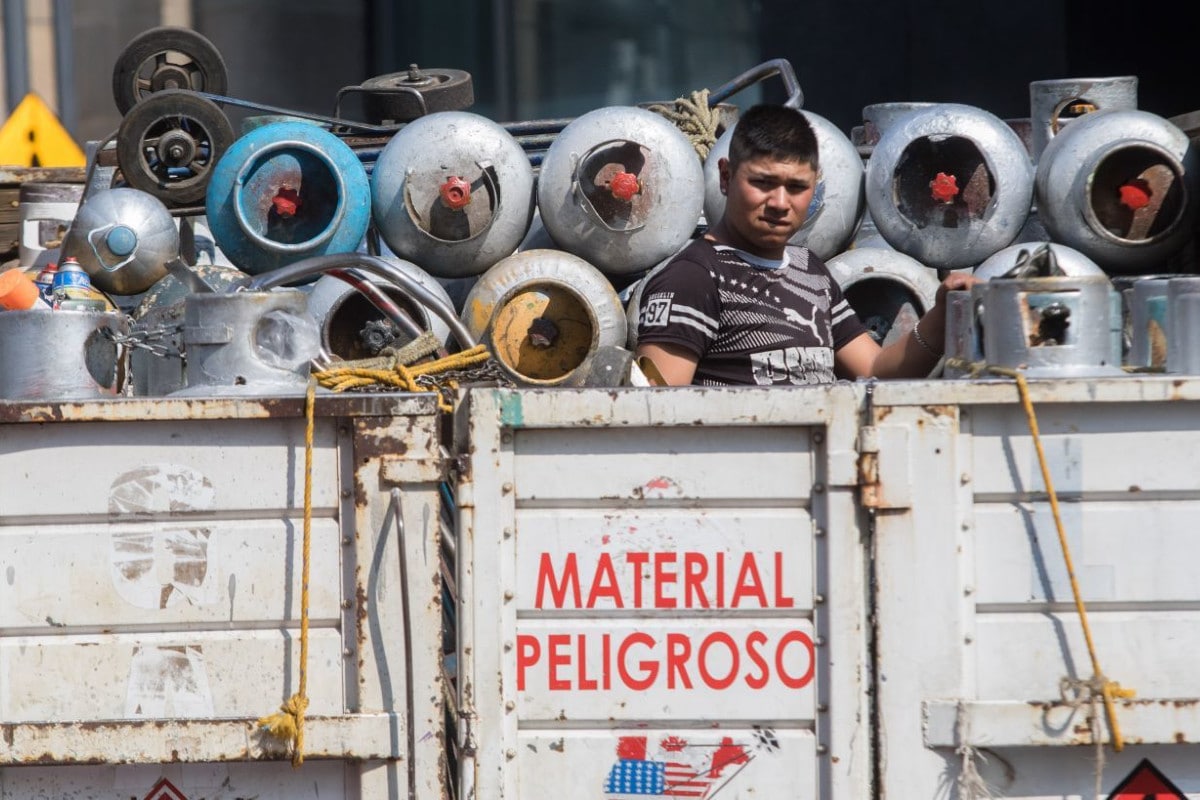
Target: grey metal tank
{"type": "Point", "coordinates": [1070, 262]}
{"type": "Point", "coordinates": [1055, 103]}
{"type": "Point", "coordinates": [887, 289]}
{"type": "Point", "coordinates": [239, 343]}
{"type": "Point", "coordinates": [621, 188]}
{"type": "Point", "coordinates": [949, 185]}
{"type": "Point", "coordinates": [545, 315]}
{"type": "Point", "coordinates": [1120, 186]}
{"type": "Point", "coordinates": [62, 355]}
{"type": "Point", "coordinates": [123, 239]}
{"type": "Point", "coordinates": [454, 192]}
{"type": "Point", "coordinates": [352, 328]}
{"type": "Point", "coordinates": [1049, 327]}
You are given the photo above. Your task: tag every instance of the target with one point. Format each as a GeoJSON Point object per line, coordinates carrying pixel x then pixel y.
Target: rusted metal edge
{"type": "Point", "coordinates": [128, 409]}
{"type": "Point", "coordinates": [1039, 724]}
{"type": "Point", "coordinates": [667, 407]}
{"type": "Point", "coordinates": [988, 391]}
{"type": "Point", "coordinates": [11, 175]}
{"type": "Point", "coordinates": [355, 737]}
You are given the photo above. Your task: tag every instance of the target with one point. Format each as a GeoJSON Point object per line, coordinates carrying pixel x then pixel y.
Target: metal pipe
{"type": "Point", "coordinates": [64, 65]}
{"type": "Point", "coordinates": [374, 265]}
{"type": "Point", "coordinates": [378, 298]}
{"type": "Point", "coordinates": [779, 66]}
{"type": "Point", "coordinates": [16, 57]}
{"type": "Point", "coordinates": [537, 126]}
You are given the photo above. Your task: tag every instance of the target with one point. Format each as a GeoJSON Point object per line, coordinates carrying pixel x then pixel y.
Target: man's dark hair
{"type": "Point", "coordinates": [778, 132]}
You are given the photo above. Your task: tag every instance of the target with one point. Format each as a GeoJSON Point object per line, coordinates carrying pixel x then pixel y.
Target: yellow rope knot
{"type": "Point", "coordinates": [287, 724]}
{"type": "Point", "coordinates": [354, 375]}
{"type": "Point", "coordinates": [693, 116]}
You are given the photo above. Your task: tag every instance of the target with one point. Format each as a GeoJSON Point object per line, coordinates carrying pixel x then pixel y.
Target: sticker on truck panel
{"type": "Point", "coordinates": [677, 767]}
{"type": "Point", "coordinates": [1146, 781]}
{"type": "Point", "coordinates": [164, 790]}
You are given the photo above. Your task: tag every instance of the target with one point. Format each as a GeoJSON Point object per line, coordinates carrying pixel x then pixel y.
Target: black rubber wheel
{"type": "Point", "coordinates": [166, 57]}
{"type": "Point", "coordinates": [169, 143]}
{"type": "Point", "coordinates": [397, 96]}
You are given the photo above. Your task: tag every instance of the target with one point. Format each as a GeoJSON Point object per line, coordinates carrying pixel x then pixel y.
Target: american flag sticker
{"type": "Point", "coordinates": [675, 769]}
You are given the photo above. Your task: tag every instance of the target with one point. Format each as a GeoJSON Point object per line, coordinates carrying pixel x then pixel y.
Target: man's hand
{"type": "Point", "coordinates": [955, 282]}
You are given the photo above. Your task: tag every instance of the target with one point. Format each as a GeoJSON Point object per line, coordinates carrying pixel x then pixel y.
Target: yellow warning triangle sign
{"type": "Point", "coordinates": [32, 136]}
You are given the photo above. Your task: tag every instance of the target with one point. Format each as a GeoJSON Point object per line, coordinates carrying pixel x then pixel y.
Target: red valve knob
{"type": "Point", "coordinates": [456, 192]}
{"type": "Point", "coordinates": [1135, 194]}
{"type": "Point", "coordinates": [943, 188]}
{"type": "Point", "coordinates": [624, 186]}
{"type": "Point", "coordinates": [286, 202]}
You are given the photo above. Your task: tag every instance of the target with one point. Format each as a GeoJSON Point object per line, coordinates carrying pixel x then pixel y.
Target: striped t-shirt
{"type": "Point", "coordinates": [749, 321]}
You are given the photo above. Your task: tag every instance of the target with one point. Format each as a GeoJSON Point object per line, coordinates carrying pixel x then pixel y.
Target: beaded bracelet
{"type": "Point", "coordinates": [916, 330]}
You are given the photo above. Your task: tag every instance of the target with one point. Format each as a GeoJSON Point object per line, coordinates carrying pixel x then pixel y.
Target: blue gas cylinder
{"type": "Point", "coordinates": [284, 192]}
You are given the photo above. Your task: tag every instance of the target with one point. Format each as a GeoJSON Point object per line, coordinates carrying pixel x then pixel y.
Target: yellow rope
{"type": "Point", "coordinates": [693, 116]}
{"type": "Point", "coordinates": [288, 722]}
{"type": "Point", "coordinates": [339, 379]}
{"type": "Point", "coordinates": [1109, 690]}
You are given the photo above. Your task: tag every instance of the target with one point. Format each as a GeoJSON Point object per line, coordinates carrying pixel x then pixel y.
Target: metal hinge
{"type": "Point", "coordinates": [884, 477]}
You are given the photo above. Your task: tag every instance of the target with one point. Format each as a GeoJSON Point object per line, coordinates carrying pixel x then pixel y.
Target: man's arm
{"type": "Point", "coordinates": [907, 357]}
{"type": "Point", "coordinates": [676, 364]}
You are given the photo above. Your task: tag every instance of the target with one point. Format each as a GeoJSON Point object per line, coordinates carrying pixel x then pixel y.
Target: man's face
{"type": "Point", "coordinates": [766, 202]}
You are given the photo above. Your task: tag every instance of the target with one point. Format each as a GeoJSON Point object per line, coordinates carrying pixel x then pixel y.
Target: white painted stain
{"type": "Point", "coordinates": [169, 565]}
{"type": "Point", "coordinates": [168, 682]}
{"type": "Point", "coordinates": [160, 489]}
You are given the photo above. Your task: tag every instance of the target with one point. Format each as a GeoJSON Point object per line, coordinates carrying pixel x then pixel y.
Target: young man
{"type": "Point", "coordinates": [740, 307]}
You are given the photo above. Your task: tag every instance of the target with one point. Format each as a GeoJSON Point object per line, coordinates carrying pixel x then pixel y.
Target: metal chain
{"type": "Point", "coordinates": [149, 339]}
{"type": "Point", "coordinates": [488, 372]}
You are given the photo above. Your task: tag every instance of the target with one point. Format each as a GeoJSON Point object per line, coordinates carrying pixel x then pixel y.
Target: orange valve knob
{"type": "Point", "coordinates": [943, 188]}
{"type": "Point", "coordinates": [624, 186]}
{"type": "Point", "coordinates": [1135, 194]}
{"type": "Point", "coordinates": [286, 202]}
{"type": "Point", "coordinates": [456, 192]}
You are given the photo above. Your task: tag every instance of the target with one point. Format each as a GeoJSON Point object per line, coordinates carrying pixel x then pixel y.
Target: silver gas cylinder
{"type": "Point", "coordinates": [1049, 259]}
{"type": "Point", "coordinates": [453, 192]}
{"type": "Point", "coordinates": [1067, 260]}
{"type": "Point", "coordinates": [1147, 301]}
{"type": "Point", "coordinates": [621, 188]}
{"type": "Point", "coordinates": [1121, 187]}
{"type": "Point", "coordinates": [1055, 103]}
{"type": "Point", "coordinates": [545, 315]}
{"type": "Point", "coordinates": [123, 239]}
{"type": "Point", "coordinates": [878, 118]}
{"type": "Point", "coordinates": [887, 289]}
{"type": "Point", "coordinates": [352, 328]}
{"type": "Point", "coordinates": [1183, 326]}
{"type": "Point", "coordinates": [1049, 327]}
{"type": "Point", "coordinates": [949, 185]}
{"type": "Point", "coordinates": [62, 355]}
{"type": "Point", "coordinates": [248, 343]}
{"type": "Point", "coordinates": [837, 203]}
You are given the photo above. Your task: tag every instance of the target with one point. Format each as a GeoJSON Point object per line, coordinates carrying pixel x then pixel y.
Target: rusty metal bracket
{"type": "Point", "coordinates": [398, 470]}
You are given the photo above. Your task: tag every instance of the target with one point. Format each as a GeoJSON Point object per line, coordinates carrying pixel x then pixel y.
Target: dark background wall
{"type": "Point", "coordinates": [549, 58]}
{"type": "Point", "coordinates": [984, 54]}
